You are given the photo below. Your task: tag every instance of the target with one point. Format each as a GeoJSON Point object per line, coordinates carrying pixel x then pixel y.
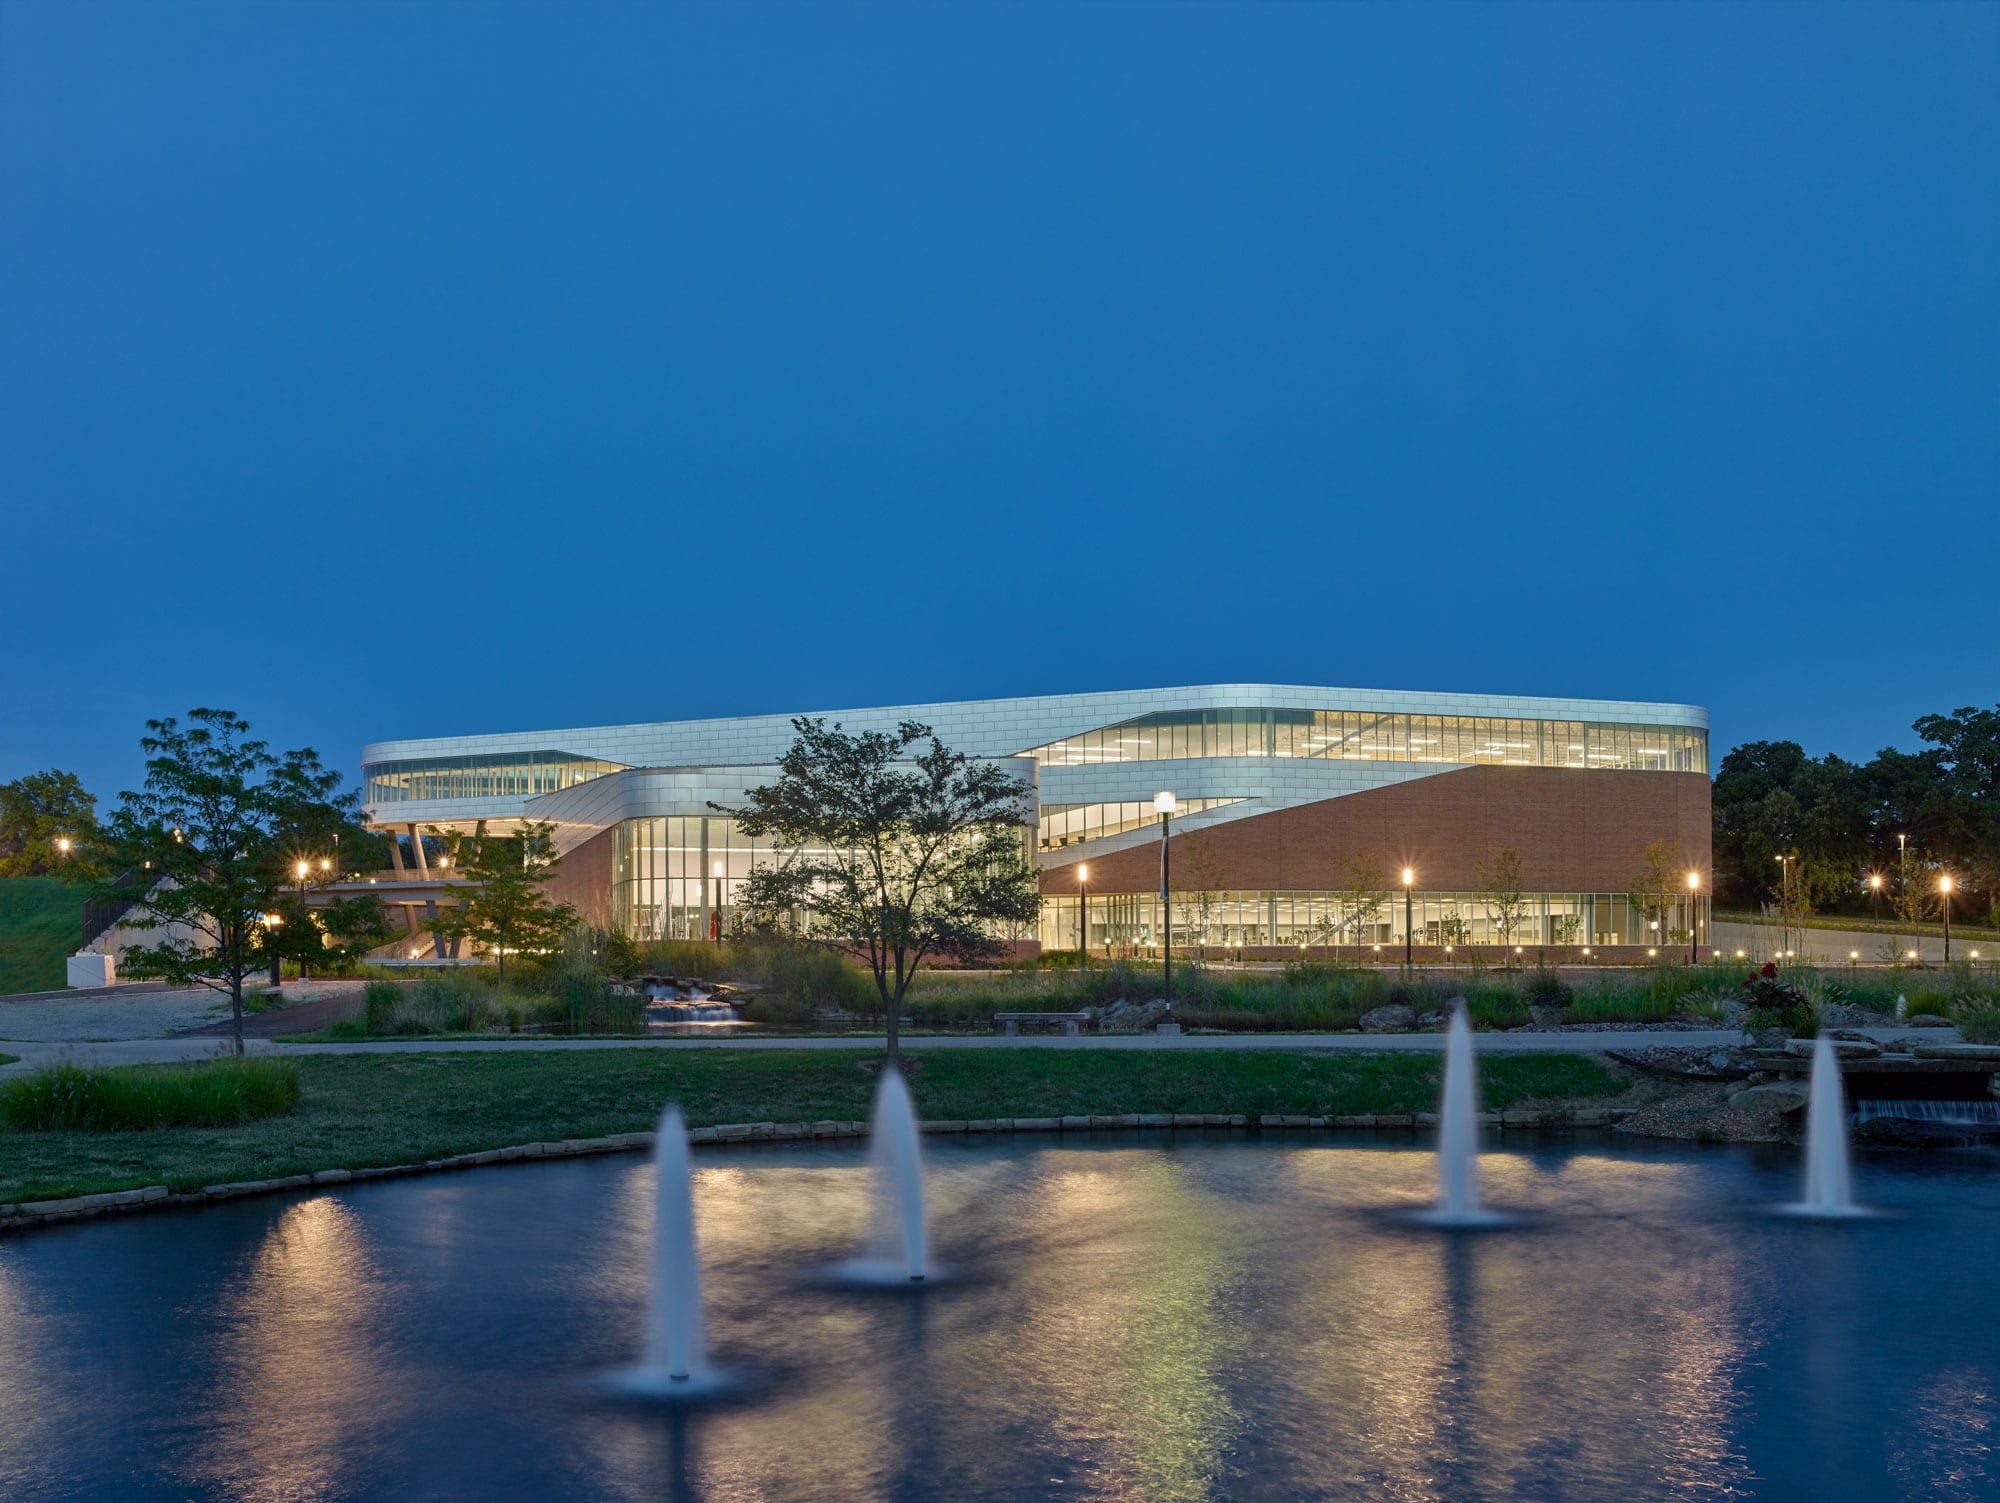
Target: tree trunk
{"type": "Point", "coordinates": [236, 1009]}
{"type": "Point", "coordinates": [892, 1010]}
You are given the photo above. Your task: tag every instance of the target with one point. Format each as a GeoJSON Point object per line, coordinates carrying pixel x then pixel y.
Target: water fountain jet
{"type": "Point", "coordinates": [674, 1343]}
{"type": "Point", "coordinates": [1458, 1202]}
{"type": "Point", "coordinates": [897, 1166]}
{"type": "Point", "coordinates": [1829, 1184]}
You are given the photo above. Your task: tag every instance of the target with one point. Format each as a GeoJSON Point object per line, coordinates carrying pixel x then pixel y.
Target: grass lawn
{"type": "Point", "coordinates": [362, 1110]}
{"type": "Point", "coordinates": [41, 920]}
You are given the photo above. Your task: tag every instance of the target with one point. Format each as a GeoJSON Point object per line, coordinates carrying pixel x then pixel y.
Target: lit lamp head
{"type": "Point", "coordinates": [1694, 881]}
{"type": "Point", "coordinates": [1875, 881]}
{"type": "Point", "coordinates": [273, 920]}
{"type": "Point", "coordinates": [1944, 884]}
{"type": "Point", "coordinates": [63, 844]}
{"type": "Point", "coordinates": [325, 865]}
{"type": "Point", "coordinates": [301, 869]}
{"type": "Point", "coordinates": [444, 863]}
{"type": "Point", "coordinates": [1409, 876]}
{"type": "Point", "coordinates": [1853, 954]}
{"type": "Point", "coordinates": [1164, 802]}
{"type": "Point", "coordinates": [1082, 873]}
{"type": "Point", "coordinates": [717, 870]}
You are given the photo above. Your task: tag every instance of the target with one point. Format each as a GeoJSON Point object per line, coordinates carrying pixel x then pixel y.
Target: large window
{"type": "Point", "coordinates": [501, 775]}
{"type": "Point", "coordinates": [1072, 824]}
{"type": "Point", "coordinates": [1356, 736]}
{"type": "Point", "coordinates": [1135, 921]}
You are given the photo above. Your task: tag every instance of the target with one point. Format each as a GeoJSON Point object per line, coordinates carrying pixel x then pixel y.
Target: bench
{"type": "Point", "coordinates": [1012, 1021]}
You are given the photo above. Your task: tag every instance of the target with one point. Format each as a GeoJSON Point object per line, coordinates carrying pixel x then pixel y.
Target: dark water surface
{"type": "Point", "coordinates": [1142, 1317]}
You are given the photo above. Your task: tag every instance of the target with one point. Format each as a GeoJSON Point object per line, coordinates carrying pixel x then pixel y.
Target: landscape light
{"type": "Point", "coordinates": [1853, 954]}
{"type": "Point", "coordinates": [1652, 952]}
{"type": "Point", "coordinates": [1909, 954]}
{"type": "Point", "coordinates": [1517, 949]}
{"type": "Point", "coordinates": [1586, 949]}
{"type": "Point", "coordinates": [1739, 954]}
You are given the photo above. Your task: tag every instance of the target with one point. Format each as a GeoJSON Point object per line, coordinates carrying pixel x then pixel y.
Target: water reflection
{"type": "Point", "coordinates": [1139, 1318]}
{"type": "Point", "coordinates": [307, 1376]}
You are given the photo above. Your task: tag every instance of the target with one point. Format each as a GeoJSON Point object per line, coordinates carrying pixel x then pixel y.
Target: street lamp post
{"type": "Point", "coordinates": [1875, 897]}
{"type": "Point", "coordinates": [715, 918]}
{"type": "Point", "coordinates": [1409, 941]}
{"type": "Point", "coordinates": [1694, 886]}
{"type": "Point", "coordinates": [1082, 915]}
{"type": "Point", "coordinates": [1944, 892]}
{"type": "Point", "coordinates": [301, 871]}
{"type": "Point", "coordinates": [273, 922]}
{"type": "Point", "coordinates": [1163, 805]}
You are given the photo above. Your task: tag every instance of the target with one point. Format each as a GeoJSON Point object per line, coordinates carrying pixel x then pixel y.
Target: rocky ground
{"type": "Point", "coordinates": [153, 1015]}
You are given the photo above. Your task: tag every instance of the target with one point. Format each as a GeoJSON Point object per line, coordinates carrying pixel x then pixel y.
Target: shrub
{"type": "Point", "coordinates": [220, 1093]}
{"type": "Point", "coordinates": [1978, 1020]}
{"type": "Point", "coordinates": [1544, 987]}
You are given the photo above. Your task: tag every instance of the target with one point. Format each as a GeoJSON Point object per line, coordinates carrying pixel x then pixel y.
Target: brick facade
{"type": "Point", "coordinates": [1576, 831]}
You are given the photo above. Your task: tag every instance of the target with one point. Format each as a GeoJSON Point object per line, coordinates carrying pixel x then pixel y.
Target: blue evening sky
{"type": "Point", "coordinates": [385, 370]}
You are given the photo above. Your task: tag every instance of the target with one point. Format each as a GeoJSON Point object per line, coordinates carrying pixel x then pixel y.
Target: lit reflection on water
{"type": "Point", "coordinates": [1135, 1318]}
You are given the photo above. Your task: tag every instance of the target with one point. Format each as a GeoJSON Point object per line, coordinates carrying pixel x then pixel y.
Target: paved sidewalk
{"type": "Point", "coordinates": [149, 1051]}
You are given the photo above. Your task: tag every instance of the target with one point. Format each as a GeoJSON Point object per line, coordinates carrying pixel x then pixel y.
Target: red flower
{"type": "Point", "coordinates": [1769, 969]}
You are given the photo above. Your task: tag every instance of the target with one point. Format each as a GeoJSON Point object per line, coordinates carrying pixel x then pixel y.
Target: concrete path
{"type": "Point", "coordinates": [153, 1051]}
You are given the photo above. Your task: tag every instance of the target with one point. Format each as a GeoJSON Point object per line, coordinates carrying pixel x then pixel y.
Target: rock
{"type": "Point", "coordinates": [1394, 1018]}
{"type": "Point", "coordinates": [1687, 1064]}
{"type": "Point", "coordinates": [1770, 1038]}
{"type": "Point", "coordinates": [1128, 1017]}
{"type": "Point", "coordinates": [1838, 1015]}
{"type": "Point", "coordinates": [1844, 1048]}
{"type": "Point", "coordinates": [1957, 1051]}
{"type": "Point", "coordinates": [1783, 1096]}
{"type": "Point", "coordinates": [1917, 1132]}
{"type": "Point", "coordinates": [1729, 1013]}
{"type": "Point", "coordinates": [1548, 1015]}
{"type": "Point", "coordinates": [1927, 1020]}
{"type": "Point", "coordinates": [1431, 1019]}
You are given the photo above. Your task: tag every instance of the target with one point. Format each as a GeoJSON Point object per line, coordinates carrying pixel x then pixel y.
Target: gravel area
{"type": "Point", "coordinates": [146, 1015]}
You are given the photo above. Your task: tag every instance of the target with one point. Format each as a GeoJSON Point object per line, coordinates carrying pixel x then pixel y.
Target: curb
{"type": "Point", "coordinates": [30, 1214]}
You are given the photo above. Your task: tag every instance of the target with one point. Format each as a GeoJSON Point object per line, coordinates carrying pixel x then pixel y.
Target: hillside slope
{"type": "Point", "coordinates": [40, 923]}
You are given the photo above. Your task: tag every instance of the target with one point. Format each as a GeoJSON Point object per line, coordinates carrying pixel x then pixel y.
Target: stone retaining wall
{"type": "Point", "coordinates": [36, 1213]}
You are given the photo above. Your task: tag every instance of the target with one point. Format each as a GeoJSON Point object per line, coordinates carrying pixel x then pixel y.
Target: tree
{"type": "Point", "coordinates": [900, 849]}
{"type": "Point", "coordinates": [1658, 883]}
{"type": "Point", "coordinates": [216, 822]}
{"type": "Point", "coordinates": [506, 909]}
{"type": "Point", "coordinates": [1364, 890]}
{"type": "Point", "coordinates": [1500, 888]}
{"type": "Point", "coordinates": [1198, 877]}
{"type": "Point", "coordinates": [38, 812]}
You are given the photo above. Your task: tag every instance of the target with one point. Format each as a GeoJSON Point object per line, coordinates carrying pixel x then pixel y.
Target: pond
{"type": "Point", "coordinates": [1138, 1316]}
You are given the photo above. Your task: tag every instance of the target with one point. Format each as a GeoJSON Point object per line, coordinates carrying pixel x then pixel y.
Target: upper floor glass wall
{"type": "Point", "coordinates": [1071, 824]}
{"type": "Point", "coordinates": [1358, 736]}
{"type": "Point", "coordinates": [501, 775]}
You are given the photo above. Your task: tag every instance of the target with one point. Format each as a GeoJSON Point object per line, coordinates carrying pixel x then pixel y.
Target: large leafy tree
{"type": "Point", "coordinates": [220, 824]}
{"type": "Point", "coordinates": [505, 910]}
{"type": "Point", "coordinates": [38, 813]}
{"type": "Point", "coordinates": [1772, 800]}
{"type": "Point", "coordinates": [901, 849]}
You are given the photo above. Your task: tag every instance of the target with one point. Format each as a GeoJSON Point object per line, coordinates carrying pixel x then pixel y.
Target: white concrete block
{"type": "Point", "coordinates": [91, 970]}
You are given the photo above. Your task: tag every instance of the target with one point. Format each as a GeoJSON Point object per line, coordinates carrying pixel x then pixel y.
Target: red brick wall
{"type": "Point", "coordinates": [584, 879]}
{"type": "Point", "coordinates": [1576, 831]}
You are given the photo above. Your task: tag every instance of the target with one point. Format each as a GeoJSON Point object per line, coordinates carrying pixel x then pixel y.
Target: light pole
{"type": "Point", "coordinates": [301, 871]}
{"type": "Point", "coordinates": [1694, 886]}
{"type": "Point", "coordinates": [1409, 942]}
{"type": "Point", "coordinates": [1875, 898]}
{"type": "Point", "coordinates": [1082, 915]}
{"type": "Point", "coordinates": [1944, 892]}
{"type": "Point", "coordinates": [1163, 805]}
{"type": "Point", "coordinates": [1785, 894]}
{"type": "Point", "coordinates": [715, 919]}
{"type": "Point", "coordinates": [273, 922]}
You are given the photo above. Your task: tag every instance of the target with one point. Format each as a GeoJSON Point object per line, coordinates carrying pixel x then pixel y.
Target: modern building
{"type": "Point", "coordinates": [1304, 816]}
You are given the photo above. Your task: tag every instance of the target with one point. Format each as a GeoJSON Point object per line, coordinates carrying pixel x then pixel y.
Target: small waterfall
{"type": "Point", "coordinates": [1458, 1128]}
{"type": "Point", "coordinates": [674, 1347]}
{"type": "Point", "coordinates": [1954, 1113]}
{"type": "Point", "coordinates": [896, 1161]}
{"type": "Point", "coordinates": [1829, 1190]}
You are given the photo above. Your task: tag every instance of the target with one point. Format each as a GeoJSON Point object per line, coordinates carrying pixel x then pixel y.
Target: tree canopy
{"type": "Point", "coordinates": [1837, 820]}
{"type": "Point", "coordinates": [48, 827]}
{"type": "Point", "coordinates": [222, 824]}
{"type": "Point", "coordinates": [900, 849]}
{"type": "Point", "coordinates": [507, 911]}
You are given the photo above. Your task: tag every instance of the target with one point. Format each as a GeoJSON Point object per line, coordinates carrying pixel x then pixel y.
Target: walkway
{"type": "Point", "coordinates": [153, 1051]}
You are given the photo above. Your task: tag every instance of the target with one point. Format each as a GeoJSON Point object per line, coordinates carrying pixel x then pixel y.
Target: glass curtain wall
{"type": "Point", "coordinates": [1355, 736]}
{"type": "Point", "coordinates": [663, 874]}
{"type": "Point", "coordinates": [503, 775]}
{"type": "Point", "coordinates": [1071, 824]}
{"type": "Point", "coordinates": [1125, 921]}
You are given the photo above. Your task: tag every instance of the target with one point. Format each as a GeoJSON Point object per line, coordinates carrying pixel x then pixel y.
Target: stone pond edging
{"type": "Point", "coordinates": [27, 1215]}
